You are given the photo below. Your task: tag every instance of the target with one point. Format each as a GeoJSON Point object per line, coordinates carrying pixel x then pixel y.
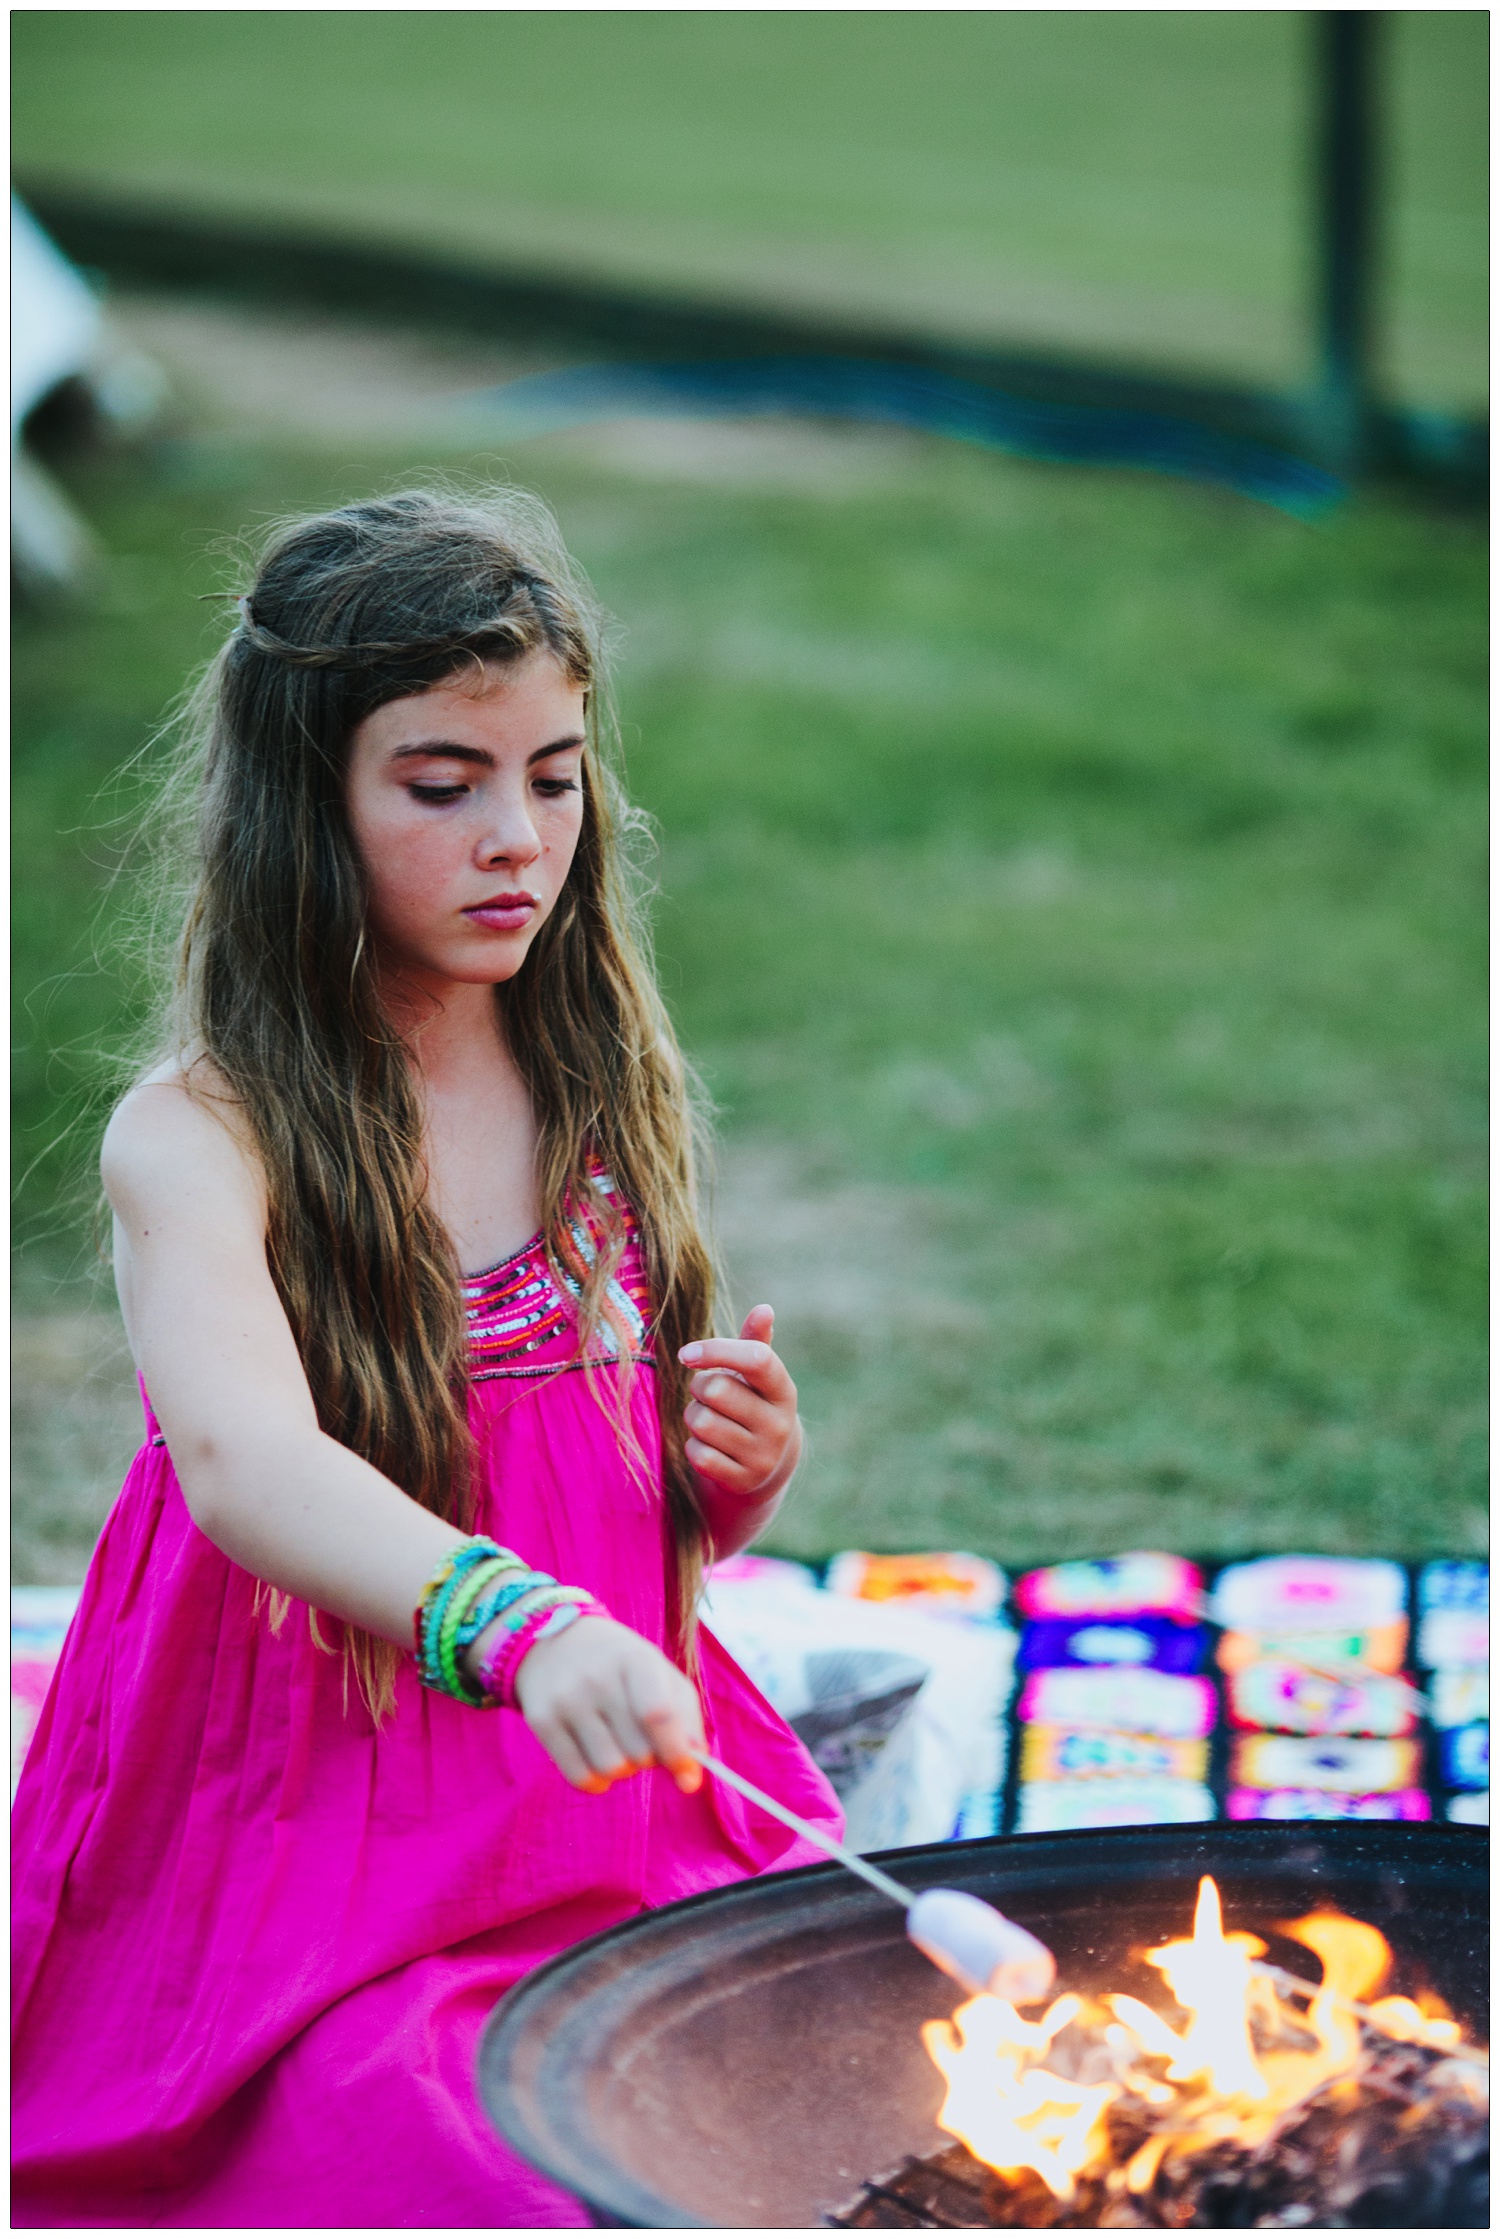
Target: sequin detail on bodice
{"type": "Point", "coordinates": [526, 1306]}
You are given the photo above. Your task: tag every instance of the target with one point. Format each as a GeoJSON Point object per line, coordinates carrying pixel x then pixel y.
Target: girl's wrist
{"type": "Point", "coordinates": [736, 1519]}
{"type": "Point", "coordinates": [481, 1611]}
{"type": "Point", "coordinates": [499, 1655]}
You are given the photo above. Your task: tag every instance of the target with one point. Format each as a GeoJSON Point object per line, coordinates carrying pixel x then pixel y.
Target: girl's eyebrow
{"type": "Point", "coordinates": [454, 752]}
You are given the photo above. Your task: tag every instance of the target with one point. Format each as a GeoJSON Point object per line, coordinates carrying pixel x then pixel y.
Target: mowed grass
{"type": "Point", "coordinates": [1084, 872]}
{"type": "Point", "coordinates": [1133, 183]}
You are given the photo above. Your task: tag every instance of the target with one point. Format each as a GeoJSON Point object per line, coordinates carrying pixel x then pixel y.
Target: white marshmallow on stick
{"type": "Point", "coordinates": [956, 1930]}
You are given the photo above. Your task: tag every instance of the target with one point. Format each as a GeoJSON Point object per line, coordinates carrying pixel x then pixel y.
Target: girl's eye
{"type": "Point", "coordinates": [551, 787]}
{"type": "Point", "coordinates": [437, 793]}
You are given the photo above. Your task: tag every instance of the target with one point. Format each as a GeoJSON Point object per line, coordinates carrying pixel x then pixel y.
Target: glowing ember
{"type": "Point", "coordinates": [1113, 2092]}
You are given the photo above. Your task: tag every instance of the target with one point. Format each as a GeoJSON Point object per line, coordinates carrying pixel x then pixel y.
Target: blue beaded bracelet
{"type": "Point", "coordinates": [436, 1600]}
{"type": "Point", "coordinates": [493, 1599]}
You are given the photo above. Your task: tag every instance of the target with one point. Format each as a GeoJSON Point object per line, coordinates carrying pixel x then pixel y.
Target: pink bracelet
{"type": "Point", "coordinates": [501, 1667]}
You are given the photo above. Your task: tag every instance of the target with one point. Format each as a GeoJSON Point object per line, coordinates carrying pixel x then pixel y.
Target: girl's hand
{"type": "Point", "coordinates": [604, 1703]}
{"type": "Point", "coordinates": [743, 1431]}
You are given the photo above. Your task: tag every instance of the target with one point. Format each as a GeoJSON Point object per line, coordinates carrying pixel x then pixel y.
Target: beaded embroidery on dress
{"type": "Point", "coordinates": [524, 1305]}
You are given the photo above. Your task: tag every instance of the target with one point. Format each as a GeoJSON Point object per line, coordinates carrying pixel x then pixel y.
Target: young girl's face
{"type": "Point", "coordinates": [465, 804]}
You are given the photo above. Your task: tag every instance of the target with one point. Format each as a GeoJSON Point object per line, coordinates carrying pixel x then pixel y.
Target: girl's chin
{"type": "Point", "coordinates": [475, 965]}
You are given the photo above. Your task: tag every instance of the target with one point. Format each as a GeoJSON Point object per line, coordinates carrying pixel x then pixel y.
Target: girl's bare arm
{"type": "Point", "coordinates": [213, 1343]}
{"type": "Point", "coordinates": [273, 1491]}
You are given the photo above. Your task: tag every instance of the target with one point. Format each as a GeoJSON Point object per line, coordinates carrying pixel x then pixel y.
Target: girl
{"type": "Point", "coordinates": [407, 1248]}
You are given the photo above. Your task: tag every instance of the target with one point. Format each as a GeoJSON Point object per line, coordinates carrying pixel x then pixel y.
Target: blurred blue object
{"type": "Point", "coordinates": [1455, 1585]}
{"type": "Point", "coordinates": [1466, 1756]}
{"type": "Point", "coordinates": [903, 396]}
{"type": "Point", "coordinates": [1155, 1643]}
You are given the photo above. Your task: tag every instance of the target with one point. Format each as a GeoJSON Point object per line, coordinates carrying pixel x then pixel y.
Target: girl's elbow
{"type": "Point", "coordinates": [217, 1478]}
{"type": "Point", "coordinates": [201, 1474]}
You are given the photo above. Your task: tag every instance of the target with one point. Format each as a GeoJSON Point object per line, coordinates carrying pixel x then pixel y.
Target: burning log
{"type": "Point", "coordinates": [1279, 2105]}
{"type": "Point", "coordinates": [1404, 2148]}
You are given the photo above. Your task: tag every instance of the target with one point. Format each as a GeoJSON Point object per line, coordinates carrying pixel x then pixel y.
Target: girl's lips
{"type": "Point", "coordinates": [507, 913]}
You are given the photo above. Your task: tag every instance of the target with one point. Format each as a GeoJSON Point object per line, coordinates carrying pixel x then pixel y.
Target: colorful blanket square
{"type": "Point", "coordinates": [1290, 1700]}
{"type": "Point", "coordinates": [1055, 1753]}
{"type": "Point", "coordinates": [1453, 1638]}
{"type": "Point", "coordinates": [940, 1585]}
{"type": "Point", "coordinates": [1458, 1698]}
{"type": "Point", "coordinates": [1345, 1767]}
{"type": "Point", "coordinates": [1380, 1648]}
{"type": "Point", "coordinates": [1309, 1593]}
{"type": "Point", "coordinates": [1464, 1754]}
{"type": "Point", "coordinates": [1049, 1806]}
{"type": "Point", "coordinates": [1455, 1585]}
{"type": "Point", "coordinates": [1119, 1586]}
{"type": "Point", "coordinates": [1322, 1803]}
{"type": "Point", "coordinates": [1126, 1702]}
{"type": "Point", "coordinates": [1155, 1643]}
{"type": "Point", "coordinates": [1470, 1811]}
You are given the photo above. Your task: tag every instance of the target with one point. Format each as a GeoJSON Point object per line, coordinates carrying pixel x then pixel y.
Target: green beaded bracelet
{"type": "Point", "coordinates": [450, 1678]}
{"type": "Point", "coordinates": [554, 1597]}
{"type": "Point", "coordinates": [492, 1600]}
{"type": "Point", "coordinates": [438, 1594]}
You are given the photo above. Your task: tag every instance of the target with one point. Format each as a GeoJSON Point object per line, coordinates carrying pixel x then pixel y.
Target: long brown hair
{"type": "Point", "coordinates": [275, 987]}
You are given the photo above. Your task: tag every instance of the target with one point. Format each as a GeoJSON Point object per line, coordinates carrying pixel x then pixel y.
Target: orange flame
{"type": "Point", "coordinates": [1007, 2114]}
{"type": "Point", "coordinates": [1013, 2111]}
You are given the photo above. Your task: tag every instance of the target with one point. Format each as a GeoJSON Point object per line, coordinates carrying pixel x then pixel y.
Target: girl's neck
{"type": "Point", "coordinates": [478, 1123]}
{"type": "Point", "coordinates": [452, 1033]}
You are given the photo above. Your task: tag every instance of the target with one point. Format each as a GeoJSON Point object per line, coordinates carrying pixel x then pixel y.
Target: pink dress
{"type": "Point", "coordinates": [255, 1938]}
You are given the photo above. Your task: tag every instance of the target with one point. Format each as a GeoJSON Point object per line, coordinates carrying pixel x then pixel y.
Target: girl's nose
{"type": "Point", "coordinates": [511, 838]}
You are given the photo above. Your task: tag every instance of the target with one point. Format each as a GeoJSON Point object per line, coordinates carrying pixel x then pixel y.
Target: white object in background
{"type": "Point", "coordinates": [58, 334]}
{"type": "Point", "coordinates": [54, 334]}
{"type": "Point", "coordinates": [39, 1621]}
{"type": "Point", "coordinates": [949, 1750]}
{"type": "Point", "coordinates": [55, 323]}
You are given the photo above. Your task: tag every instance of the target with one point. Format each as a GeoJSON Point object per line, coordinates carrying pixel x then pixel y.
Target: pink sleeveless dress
{"type": "Point", "coordinates": [255, 1938]}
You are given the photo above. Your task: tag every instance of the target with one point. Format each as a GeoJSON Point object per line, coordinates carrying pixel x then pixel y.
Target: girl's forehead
{"type": "Point", "coordinates": [534, 673]}
{"type": "Point", "coordinates": [495, 701]}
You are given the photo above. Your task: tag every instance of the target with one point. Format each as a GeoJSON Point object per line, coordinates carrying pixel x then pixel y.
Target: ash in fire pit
{"type": "Point", "coordinates": [1281, 2104]}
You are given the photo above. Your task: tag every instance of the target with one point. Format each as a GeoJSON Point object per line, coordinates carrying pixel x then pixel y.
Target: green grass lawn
{"type": "Point", "coordinates": [1083, 871]}
{"type": "Point", "coordinates": [1128, 183]}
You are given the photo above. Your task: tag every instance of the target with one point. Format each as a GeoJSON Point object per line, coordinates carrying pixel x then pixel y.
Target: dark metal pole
{"type": "Point", "coordinates": [1346, 190]}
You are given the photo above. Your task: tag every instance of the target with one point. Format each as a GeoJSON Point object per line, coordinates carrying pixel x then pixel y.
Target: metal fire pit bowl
{"type": "Point", "coordinates": [749, 2057]}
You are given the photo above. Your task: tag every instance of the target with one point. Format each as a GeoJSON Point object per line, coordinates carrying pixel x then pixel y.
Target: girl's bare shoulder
{"type": "Point", "coordinates": [181, 1127]}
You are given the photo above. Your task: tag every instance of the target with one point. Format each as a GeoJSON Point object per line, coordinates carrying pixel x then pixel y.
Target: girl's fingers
{"type": "Point", "coordinates": [731, 1438]}
{"type": "Point", "coordinates": [607, 1703]}
{"type": "Point", "coordinates": [593, 1734]}
{"type": "Point", "coordinates": [630, 1736]}
{"type": "Point", "coordinates": [710, 1462]}
{"type": "Point", "coordinates": [732, 1396]}
{"type": "Point", "coordinates": [670, 1727]}
{"type": "Point", "coordinates": [567, 1756]}
{"type": "Point", "coordinates": [761, 1369]}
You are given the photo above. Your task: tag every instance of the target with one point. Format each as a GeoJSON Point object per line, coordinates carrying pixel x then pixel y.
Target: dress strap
{"type": "Point", "coordinates": [154, 1433]}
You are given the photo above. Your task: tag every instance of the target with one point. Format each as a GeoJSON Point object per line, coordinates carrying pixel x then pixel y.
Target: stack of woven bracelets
{"type": "Point", "coordinates": [478, 1582]}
